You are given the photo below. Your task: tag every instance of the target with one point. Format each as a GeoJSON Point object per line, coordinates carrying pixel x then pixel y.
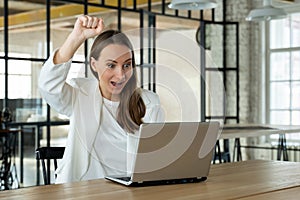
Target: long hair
{"type": "Point", "coordinates": [131, 109]}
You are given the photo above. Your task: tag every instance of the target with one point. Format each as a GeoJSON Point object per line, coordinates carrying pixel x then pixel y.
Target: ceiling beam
{"type": "Point", "coordinates": [21, 5]}
{"type": "Point", "coordinates": [38, 16]}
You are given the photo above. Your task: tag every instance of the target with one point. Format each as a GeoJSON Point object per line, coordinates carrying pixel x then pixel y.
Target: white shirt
{"type": "Point", "coordinates": [111, 106]}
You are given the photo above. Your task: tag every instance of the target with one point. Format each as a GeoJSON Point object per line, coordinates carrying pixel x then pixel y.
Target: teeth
{"type": "Point", "coordinates": [115, 83]}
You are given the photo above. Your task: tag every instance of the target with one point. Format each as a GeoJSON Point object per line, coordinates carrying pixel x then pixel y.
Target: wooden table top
{"type": "Point", "coordinates": [5, 132]}
{"type": "Point", "coordinates": [289, 194]}
{"type": "Point", "coordinates": [247, 179]}
{"type": "Point", "coordinates": [12, 130]}
{"type": "Point", "coordinates": [230, 131]}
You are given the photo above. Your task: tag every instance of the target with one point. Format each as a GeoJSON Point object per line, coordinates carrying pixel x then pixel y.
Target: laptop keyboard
{"type": "Point", "coordinates": [124, 178]}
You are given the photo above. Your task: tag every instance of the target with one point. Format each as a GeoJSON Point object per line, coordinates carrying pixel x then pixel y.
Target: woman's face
{"type": "Point", "coordinates": [114, 68]}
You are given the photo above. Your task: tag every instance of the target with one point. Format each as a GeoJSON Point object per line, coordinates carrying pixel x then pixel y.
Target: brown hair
{"type": "Point", "coordinates": [131, 109]}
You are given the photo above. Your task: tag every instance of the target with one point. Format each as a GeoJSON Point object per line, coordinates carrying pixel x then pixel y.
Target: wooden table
{"type": "Point", "coordinates": [290, 193]}
{"type": "Point", "coordinates": [237, 131]}
{"type": "Point", "coordinates": [237, 180]}
{"type": "Point", "coordinates": [231, 131]}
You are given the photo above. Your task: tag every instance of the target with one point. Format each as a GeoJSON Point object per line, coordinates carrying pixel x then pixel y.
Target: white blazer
{"type": "Point", "coordinates": [81, 101]}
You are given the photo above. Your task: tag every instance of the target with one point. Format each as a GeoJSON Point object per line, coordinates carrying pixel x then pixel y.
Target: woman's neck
{"type": "Point", "coordinates": [111, 97]}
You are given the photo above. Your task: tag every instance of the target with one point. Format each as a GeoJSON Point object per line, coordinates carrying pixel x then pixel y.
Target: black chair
{"type": "Point", "coordinates": [49, 153]}
{"type": "Point", "coordinates": [219, 155]}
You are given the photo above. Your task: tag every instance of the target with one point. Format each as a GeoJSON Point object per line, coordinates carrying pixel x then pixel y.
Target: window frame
{"type": "Point", "coordinates": [269, 51]}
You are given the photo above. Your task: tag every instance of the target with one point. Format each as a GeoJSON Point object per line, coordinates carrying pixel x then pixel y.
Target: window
{"type": "Point", "coordinates": [284, 72]}
{"type": "Point", "coordinates": [19, 77]}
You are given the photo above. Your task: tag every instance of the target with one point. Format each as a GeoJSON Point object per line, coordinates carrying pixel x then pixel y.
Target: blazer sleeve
{"type": "Point", "coordinates": [53, 87]}
{"type": "Point", "coordinates": [154, 111]}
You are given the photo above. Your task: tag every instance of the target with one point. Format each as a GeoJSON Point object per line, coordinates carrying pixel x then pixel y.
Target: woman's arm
{"type": "Point", "coordinates": [154, 111]}
{"type": "Point", "coordinates": [85, 27]}
{"type": "Point", "coordinates": [53, 75]}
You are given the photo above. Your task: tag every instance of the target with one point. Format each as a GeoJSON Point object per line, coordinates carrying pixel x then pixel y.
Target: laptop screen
{"type": "Point", "coordinates": [171, 150]}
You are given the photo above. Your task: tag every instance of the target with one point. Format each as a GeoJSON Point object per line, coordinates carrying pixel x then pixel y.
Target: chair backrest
{"type": "Point", "coordinates": [49, 153]}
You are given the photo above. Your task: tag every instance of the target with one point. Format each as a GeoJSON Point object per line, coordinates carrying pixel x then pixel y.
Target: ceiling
{"type": "Point", "coordinates": [19, 6]}
{"type": "Point", "coordinates": [32, 13]}
{"type": "Point", "coordinates": [26, 15]}
{"type": "Point", "coordinates": [29, 13]}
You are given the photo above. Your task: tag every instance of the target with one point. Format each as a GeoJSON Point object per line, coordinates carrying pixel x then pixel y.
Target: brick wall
{"type": "Point", "coordinates": [250, 59]}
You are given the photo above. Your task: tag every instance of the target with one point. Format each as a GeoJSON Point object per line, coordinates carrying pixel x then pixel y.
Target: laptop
{"type": "Point", "coordinates": [169, 153]}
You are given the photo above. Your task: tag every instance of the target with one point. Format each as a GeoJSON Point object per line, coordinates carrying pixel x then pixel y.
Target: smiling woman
{"type": "Point", "coordinates": [115, 67]}
{"type": "Point", "coordinates": [112, 62]}
{"type": "Point", "coordinates": [104, 109]}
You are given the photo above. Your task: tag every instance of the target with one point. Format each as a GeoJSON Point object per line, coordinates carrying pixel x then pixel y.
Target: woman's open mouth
{"type": "Point", "coordinates": [117, 84]}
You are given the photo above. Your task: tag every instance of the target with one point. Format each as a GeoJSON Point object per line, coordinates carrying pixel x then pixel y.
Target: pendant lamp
{"type": "Point", "coordinates": [192, 4]}
{"type": "Point", "coordinates": [266, 12]}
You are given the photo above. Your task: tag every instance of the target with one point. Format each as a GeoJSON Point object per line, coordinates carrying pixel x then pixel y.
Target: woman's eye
{"type": "Point", "coordinates": [110, 65]}
{"type": "Point", "coordinates": [128, 65]}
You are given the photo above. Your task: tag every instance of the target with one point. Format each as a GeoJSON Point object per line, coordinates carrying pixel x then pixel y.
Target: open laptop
{"type": "Point", "coordinates": [170, 153]}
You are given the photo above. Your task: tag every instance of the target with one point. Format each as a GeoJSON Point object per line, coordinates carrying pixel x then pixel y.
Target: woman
{"type": "Point", "coordinates": [103, 111]}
